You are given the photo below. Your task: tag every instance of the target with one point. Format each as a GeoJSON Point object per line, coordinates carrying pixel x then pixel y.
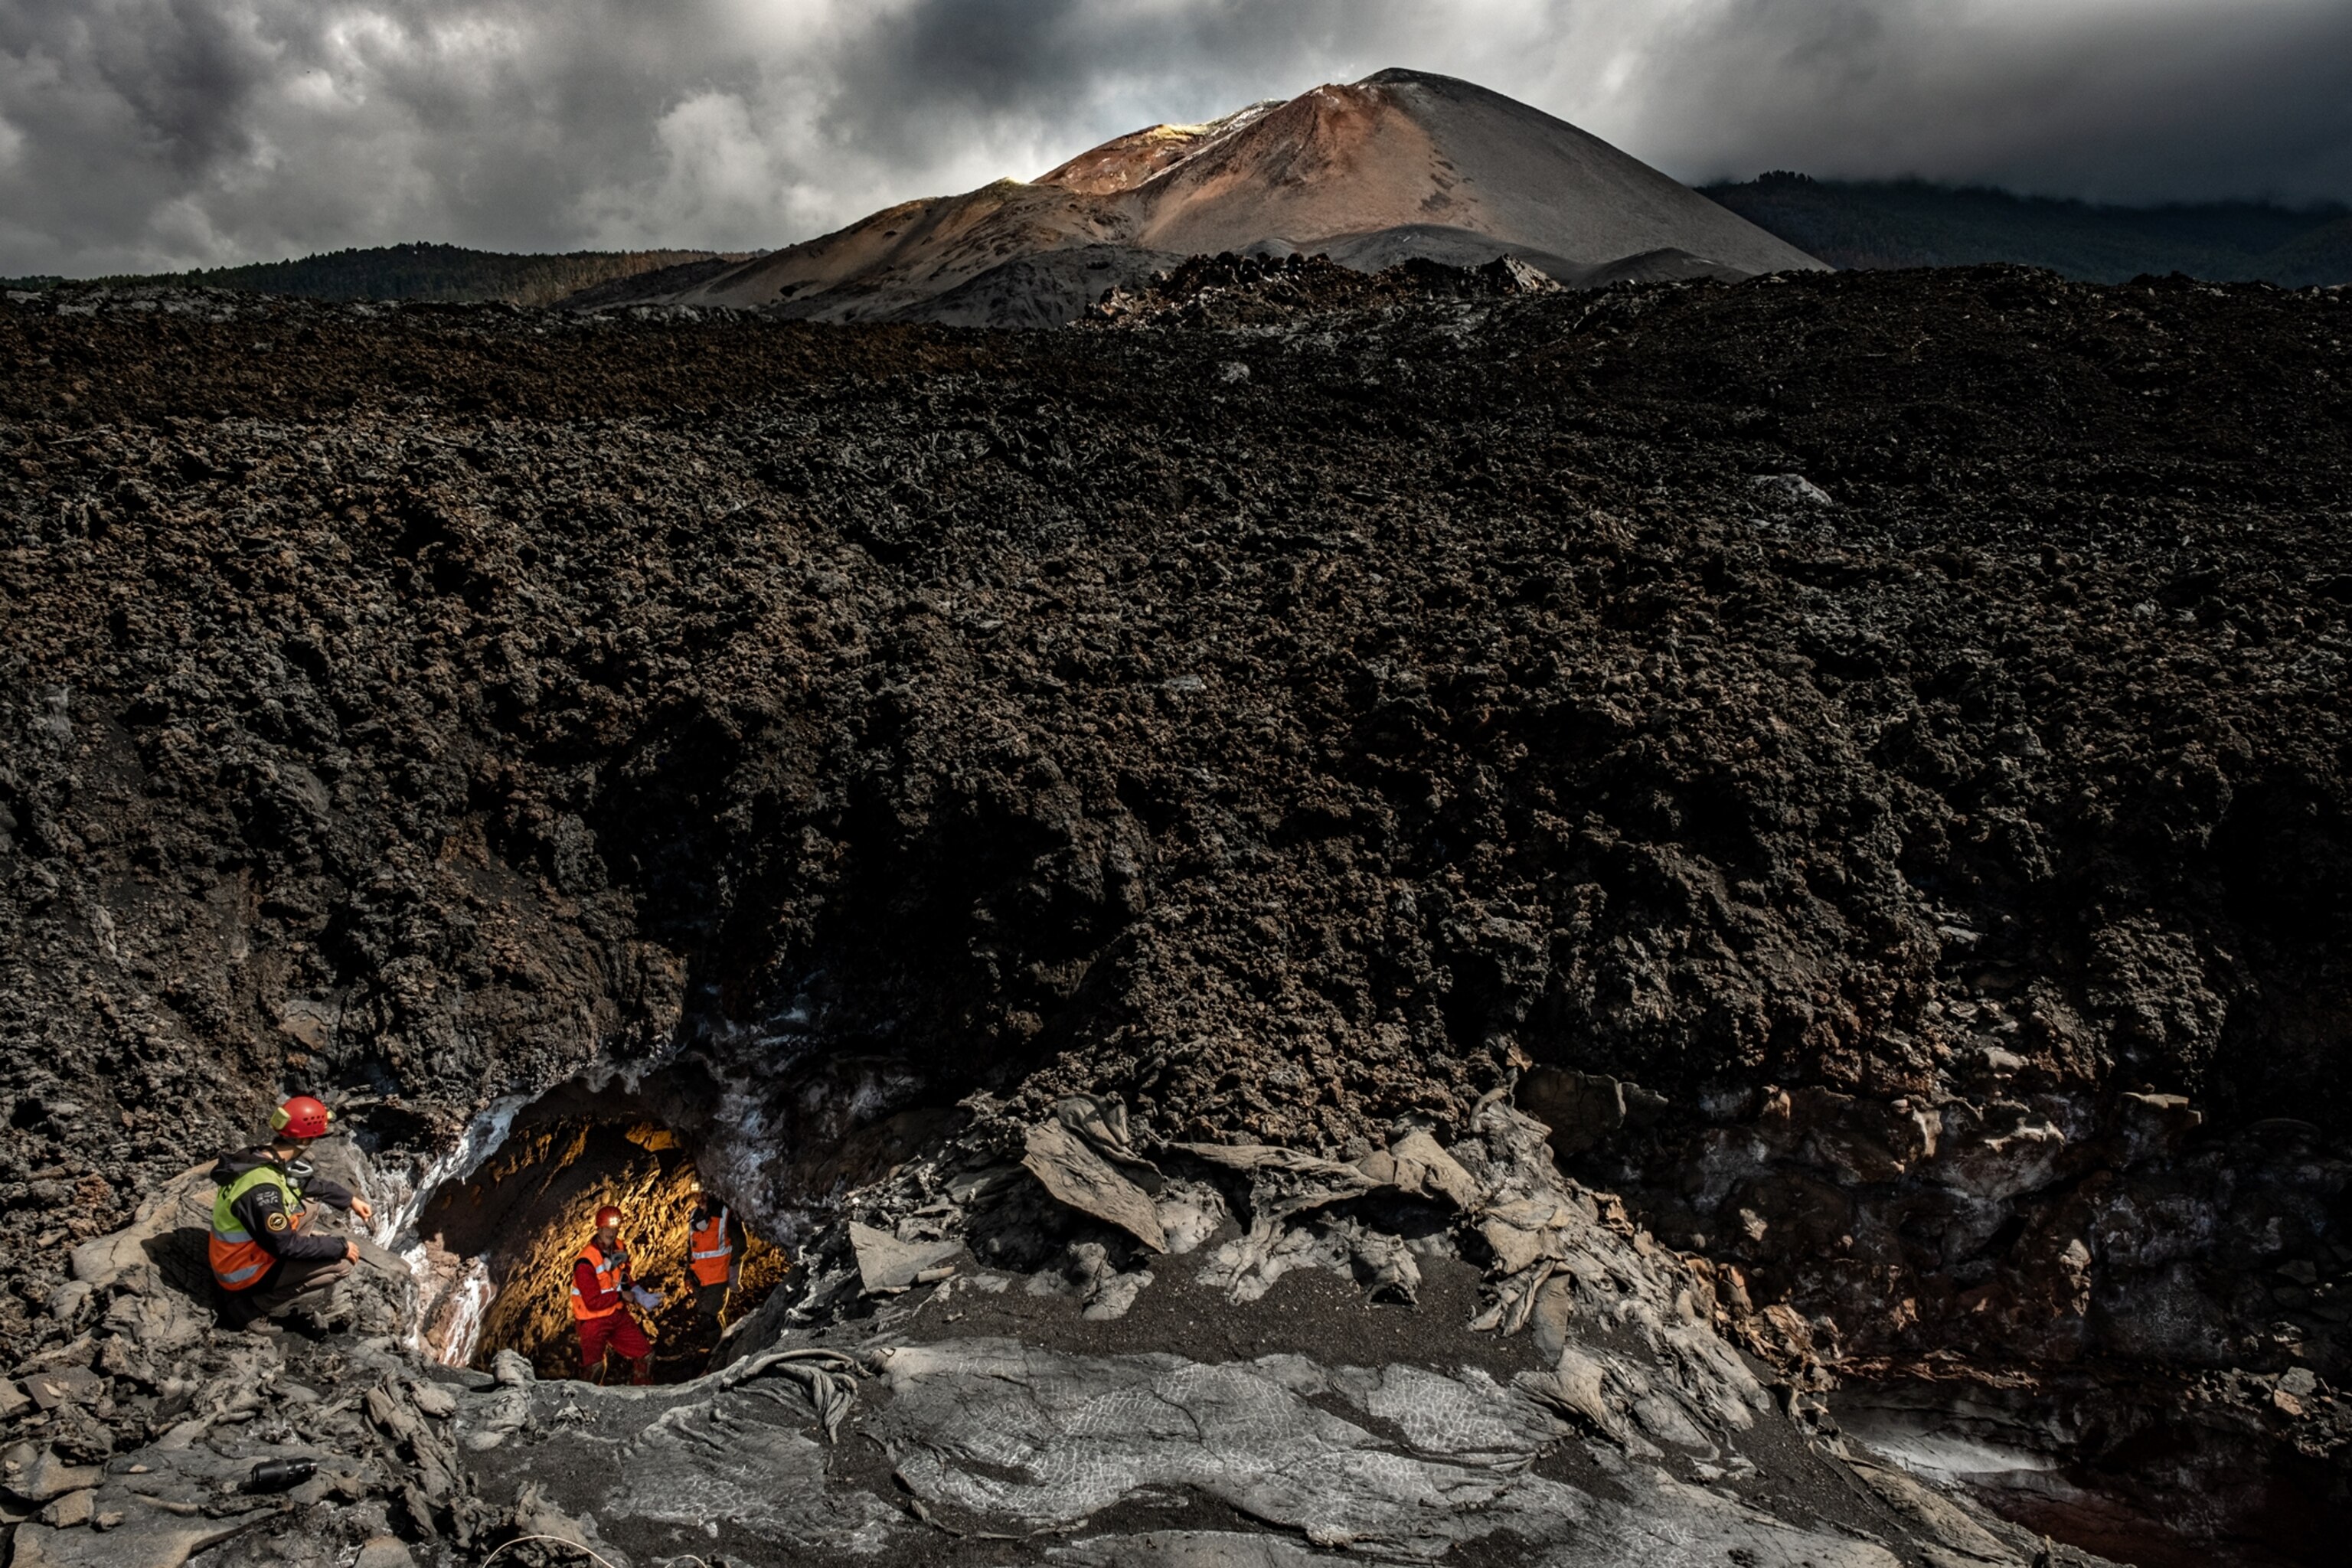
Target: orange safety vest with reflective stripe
{"type": "Point", "coordinates": [238, 1261]}
{"type": "Point", "coordinates": [608, 1282]}
{"type": "Point", "coordinates": [711, 1254]}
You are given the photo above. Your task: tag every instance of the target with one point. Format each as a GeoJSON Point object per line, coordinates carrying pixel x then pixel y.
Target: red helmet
{"type": "Point", "coordinates": [300, 1117]}
{"type": "Point", "coordinates": [608, 1218]}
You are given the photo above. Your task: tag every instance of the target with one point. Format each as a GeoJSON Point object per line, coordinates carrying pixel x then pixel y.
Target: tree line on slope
{"type": "Point", "coordinates": [445, 273]}
{"type": "Point", "coordinates": [1914, 222]}
{"type": "Point", "coordinates": [1847, 223]}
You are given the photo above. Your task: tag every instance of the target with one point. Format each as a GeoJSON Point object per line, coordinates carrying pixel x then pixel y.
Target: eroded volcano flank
{"type": "Point", "coordinates": [1398, 166]}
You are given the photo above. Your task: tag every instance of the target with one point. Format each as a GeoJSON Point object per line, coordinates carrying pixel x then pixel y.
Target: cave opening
{"type": "Point", "coordinates": [494, 1242]}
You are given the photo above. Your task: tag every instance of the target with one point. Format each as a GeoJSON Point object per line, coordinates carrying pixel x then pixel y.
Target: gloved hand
{"type": "Point", "coordinates": [734, 1278]}
{"type": "Point", "coordinates": [648, 1299]}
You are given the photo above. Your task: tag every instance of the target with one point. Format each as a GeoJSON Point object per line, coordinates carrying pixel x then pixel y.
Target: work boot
{"type": "Point", "coordinates": [327, 1312]}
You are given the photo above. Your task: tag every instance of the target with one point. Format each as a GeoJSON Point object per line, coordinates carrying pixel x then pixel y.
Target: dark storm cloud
{"type": "Point", "coordinates": [2117, 99]}
{"type": "Point", "coordinates": [184, 81]}
{"type": "Point", "coordinates": [1070, 73]}
{"type": "Point", "coordinates": [142, 133]}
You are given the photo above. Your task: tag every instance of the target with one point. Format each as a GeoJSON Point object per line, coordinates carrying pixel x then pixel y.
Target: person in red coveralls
{"type": "Point", "coordinates": [602, 1287]}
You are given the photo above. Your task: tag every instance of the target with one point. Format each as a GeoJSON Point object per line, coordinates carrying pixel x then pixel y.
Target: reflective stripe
{"type": "Point", "coordinates": [236, 1259]}
{"type": "Point", "coordinates": [708, 1248]}
{"type": "Point", "coordinates": [608, 1282]}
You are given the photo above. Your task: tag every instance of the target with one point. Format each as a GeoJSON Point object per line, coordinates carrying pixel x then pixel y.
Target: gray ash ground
{"type": "Point", "coordinates": [1896, 718]}
{"type": "Point", "coordinates": [1310, 1314]}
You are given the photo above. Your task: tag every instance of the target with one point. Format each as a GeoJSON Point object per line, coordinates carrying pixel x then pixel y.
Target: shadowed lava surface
{"type": "Point", "coordinates": [1893, 717]}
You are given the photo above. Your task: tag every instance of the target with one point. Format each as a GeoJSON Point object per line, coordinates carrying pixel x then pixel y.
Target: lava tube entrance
{"type": "Point", "coordinates": [496, 1247]}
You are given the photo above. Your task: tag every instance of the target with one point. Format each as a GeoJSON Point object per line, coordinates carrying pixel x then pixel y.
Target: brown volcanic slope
{"type": "Point", "coordinates": [1427, 162]}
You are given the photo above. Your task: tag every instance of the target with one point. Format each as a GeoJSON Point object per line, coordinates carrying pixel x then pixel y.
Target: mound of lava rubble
{"type": "Point", "coordinates": [1860, 758]}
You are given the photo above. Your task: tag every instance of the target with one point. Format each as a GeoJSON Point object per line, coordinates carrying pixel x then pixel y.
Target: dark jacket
{"type": "Point", "coordinates": [263, 1212]}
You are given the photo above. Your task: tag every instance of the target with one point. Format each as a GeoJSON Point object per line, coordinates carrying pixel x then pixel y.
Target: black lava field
{"type": "Point", "coordinates": [1887, 730]}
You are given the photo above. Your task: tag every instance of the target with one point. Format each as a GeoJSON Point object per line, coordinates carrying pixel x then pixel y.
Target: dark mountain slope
{"type": "Point", "coordinates": [437, 273]}
{"type": "Point", "coordinates": [1911, 223]}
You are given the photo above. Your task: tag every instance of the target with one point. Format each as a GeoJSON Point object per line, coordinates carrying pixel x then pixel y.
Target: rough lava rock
{"type": "Point", "coordinates": [1294, 706]}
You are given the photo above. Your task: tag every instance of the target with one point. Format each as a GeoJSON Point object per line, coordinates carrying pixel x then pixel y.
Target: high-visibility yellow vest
{"type": "Point", "coordinates": [238, 1260]}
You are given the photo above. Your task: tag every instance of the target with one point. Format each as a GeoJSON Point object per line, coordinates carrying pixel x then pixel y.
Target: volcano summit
{"type": "Point", "coordinates": [1401, 165]}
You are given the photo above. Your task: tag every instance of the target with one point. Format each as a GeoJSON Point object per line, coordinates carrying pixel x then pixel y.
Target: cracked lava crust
{"type": "Point", "coordinates": [1859, 760]}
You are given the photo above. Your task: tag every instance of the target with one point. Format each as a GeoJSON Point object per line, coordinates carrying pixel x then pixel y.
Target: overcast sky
{"type": "Point", "coordinates": [144, 135]}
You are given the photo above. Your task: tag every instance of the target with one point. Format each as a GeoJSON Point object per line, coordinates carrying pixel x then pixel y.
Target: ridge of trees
{"type": "Point", "coordinates": [1918, 223]}
{"type": "Point", "coordinates": [419, 271]}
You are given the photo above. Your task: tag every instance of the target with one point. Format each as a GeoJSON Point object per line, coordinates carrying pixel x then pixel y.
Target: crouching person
{"type": "Point", "coordinates": [265, 1264]}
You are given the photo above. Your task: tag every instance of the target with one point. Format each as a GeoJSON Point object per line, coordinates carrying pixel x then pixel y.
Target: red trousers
{"type": "Point", "coordinates": [617, 1329]}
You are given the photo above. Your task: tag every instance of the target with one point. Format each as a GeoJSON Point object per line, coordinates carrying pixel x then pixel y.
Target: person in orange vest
{"type": "Point", "coordinates": [265, 1264]}
{"type": "Point", "coordinates": [602, 1287]}
{"type": "Point", "coordinates": [714, 1240]}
